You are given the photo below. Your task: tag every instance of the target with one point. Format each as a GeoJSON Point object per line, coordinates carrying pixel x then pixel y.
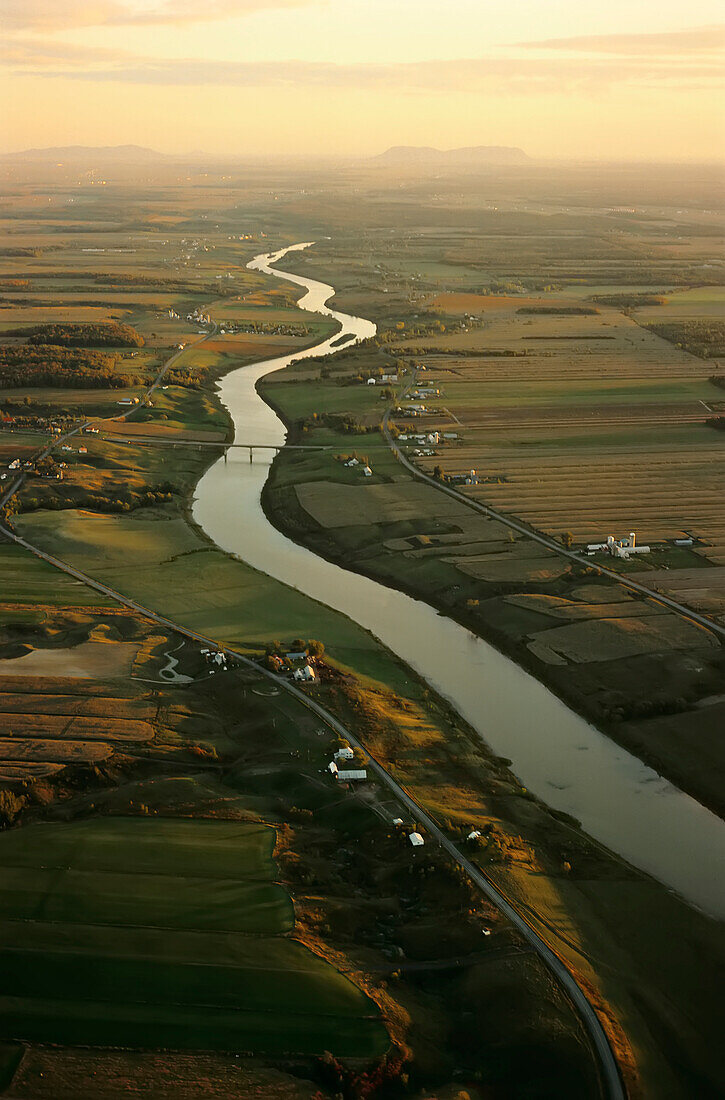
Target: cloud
{"type": "Point", "coordinates": [28, 54]}
{"type": "Point", "coordinates": [693, 40]}
{"type": "Point", "coordinates": [491, 75]}
{"type": "Point", "coordinates": [58, 15]}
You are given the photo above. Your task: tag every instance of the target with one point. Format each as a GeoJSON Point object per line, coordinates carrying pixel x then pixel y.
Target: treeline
{"type": "Point", "coordinates": [343, 423]}
{"type": "Point", "coordinates": [706, 339]}
{"type": "Point", "coordinates": [105, 334]}
{"type": "Point", "coordinates": [97, 502]}
{"type": "Point", "coordinates": [629, 301]}
{"type": "Point", "coordinates": [23, 365]}
{"type": "Point", "coordinates": [560, 311]}
{"type": "Point", "coordinates": [471, 353]}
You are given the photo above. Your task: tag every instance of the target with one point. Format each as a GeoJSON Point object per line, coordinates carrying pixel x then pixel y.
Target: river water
{"type": "Point", "coordinates": [555, 753]}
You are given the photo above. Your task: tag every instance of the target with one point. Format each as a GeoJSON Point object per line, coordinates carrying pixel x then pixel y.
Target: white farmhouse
{"type": "Point", "coordinates": [306, 674]}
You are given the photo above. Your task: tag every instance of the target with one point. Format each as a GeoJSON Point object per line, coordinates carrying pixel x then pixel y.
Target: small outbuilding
{"type": "Point", "coordinates": [416, 840]}
{"type": "Point", "coordinates": [353, 775]}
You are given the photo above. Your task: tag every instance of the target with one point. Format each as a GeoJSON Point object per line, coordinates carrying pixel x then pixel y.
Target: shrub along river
{"type": "Point", "coordinates": [556, 754]}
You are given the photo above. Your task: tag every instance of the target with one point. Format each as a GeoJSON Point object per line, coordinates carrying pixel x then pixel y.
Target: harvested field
{"type": "Point", "coordinates": [63, 727]}
{"type": "Point", "coordinates": [560, 608]}
{"type": "Point", "coordinates": [136, 430]}
{"type": "Point", "coordinates": [703, 589]}
{"type": "Point", "coordinates": [587, 424]}
{"type": "Point", "coordinates": [64, 752]}
{"type": "Point", "coordinates": [50, 1074]}
{"type": "Point", "coordinates": [89, 660]}
{"type": "Point", "coordinates": [490, 303]}
{"type": "Point", "coordinates": [510, 567]}
{"type": "Point", "coordinates": [36, 701]}
{"type": "Point", "coordinates": [609, 639]}
{"type": "Point", "coordinates": [335, 505]}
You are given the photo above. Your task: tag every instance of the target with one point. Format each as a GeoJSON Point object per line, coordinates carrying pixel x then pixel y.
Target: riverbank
{"type": "Point", "coordinates": [599, 906]}
{"type": "Point", "coordinates": [488, 618]}
{"type": "Point", "coordinates": [612, 924]}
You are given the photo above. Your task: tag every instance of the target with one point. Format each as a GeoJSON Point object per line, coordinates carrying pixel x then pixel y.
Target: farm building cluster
{"type": "Point", "coordinates": [619, 548]}
{"type": "Point", "coordinates": [297, 664]}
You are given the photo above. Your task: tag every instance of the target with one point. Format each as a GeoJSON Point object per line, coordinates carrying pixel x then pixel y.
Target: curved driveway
{"type": "Point", "coordinates": [610, 1080]}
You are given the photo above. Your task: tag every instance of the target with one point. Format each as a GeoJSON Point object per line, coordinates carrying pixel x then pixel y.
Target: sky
{"type": "Point", "coordinates": [571, 79]}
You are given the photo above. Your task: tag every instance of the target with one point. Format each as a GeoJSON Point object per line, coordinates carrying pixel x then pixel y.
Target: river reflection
{"type": "Point", "coordinates": [555, 753]}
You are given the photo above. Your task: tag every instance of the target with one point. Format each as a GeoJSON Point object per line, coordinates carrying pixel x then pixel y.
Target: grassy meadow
{"type": "Point", "coordinates": [209, 887]}
{"type": "Point", "coordinates": [165, 933]}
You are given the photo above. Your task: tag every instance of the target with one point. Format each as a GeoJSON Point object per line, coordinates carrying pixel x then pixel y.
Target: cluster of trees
{"type": "Point", "coordinates": [560, 311]}
{"type": "Point", "coordinates": [344, 423]}
{"type": "Point", "coordinates": [97, 502]}
{"type": "Point", "coordinates": [705, 339]}
{"type": "Point", "coordinates": [716, 422]}
{"type": "Point", "coordinates": [298, 645]}
{"type": "Point", "coordinates": [67, 367]}
{"type": "Point", "coordinates": [629, 301]}
{"type": "Point", "coordinates": [23, 365]}
{"type": "Point", "coordinates": [191, 378]}
{"type": "Point", "coordinates": [471, 353]}
{"type": "Point", "coordinates": [387, 1077]}
{"type": "Point", "coordinates": [104, 334]}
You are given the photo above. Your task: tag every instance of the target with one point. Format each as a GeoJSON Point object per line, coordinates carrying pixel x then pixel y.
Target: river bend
{"type": "Point", "coordinates": [556, 753]}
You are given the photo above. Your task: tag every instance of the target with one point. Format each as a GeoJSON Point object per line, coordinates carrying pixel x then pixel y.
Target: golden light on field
{"type": "Point", "coordinates": [354, 76]}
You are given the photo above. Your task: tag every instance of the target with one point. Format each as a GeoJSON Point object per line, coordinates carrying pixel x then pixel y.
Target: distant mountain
{"type": "Point", "coordinates": [473, 155]}
{"type": "Point", "coordinates": [108, 154]}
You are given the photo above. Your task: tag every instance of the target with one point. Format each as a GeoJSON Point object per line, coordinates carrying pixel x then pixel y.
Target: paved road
{"type": "Point", "coordinates": [610, 1080]}
{"type": "Point", "coordinates": [57, 440]}
{"type": "Point", "coordinates": [612, 1086]}
{"type": "Point", "coordinates": [550, 544]}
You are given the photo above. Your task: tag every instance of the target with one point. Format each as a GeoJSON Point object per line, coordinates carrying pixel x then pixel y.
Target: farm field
{"type": "Point", "coordinates": [164, 933]}
{"type": "Point", "coordinates": [344, 937]}
{"type": "Point", "coordinates": [552, 382]}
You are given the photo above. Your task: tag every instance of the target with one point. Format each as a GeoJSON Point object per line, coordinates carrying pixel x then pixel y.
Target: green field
{"type": "Point", "coordinates": [164, 933]}
{"type": "Point", "coordinates": [155, 557]}
{"type": "Point", "coordinates": [25, 579]}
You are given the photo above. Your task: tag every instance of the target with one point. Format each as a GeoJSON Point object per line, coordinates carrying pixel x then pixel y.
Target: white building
{"type": "Point", "coordinates": [416, 840]}
{"type": "Point", "coordinates": [345, 753]}
{"type": "Point", "coordinates": [367, 471]}
{"type": "Point", "coordinates": [624, 548]}
{"type": "Point", "coordinates": [307, 674]}
{"type": "Point", "coordinates": [353, 775]}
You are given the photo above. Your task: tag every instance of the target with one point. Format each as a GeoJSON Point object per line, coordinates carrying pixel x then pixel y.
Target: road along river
{"type": "Point", "coordinates": [555, 753]}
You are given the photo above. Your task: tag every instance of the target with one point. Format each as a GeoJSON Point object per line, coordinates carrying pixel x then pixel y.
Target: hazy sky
{"type": "Point", "coordinates": [562, 78]}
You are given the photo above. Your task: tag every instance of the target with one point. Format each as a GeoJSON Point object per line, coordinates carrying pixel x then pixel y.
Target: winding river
{"type": "Point", "coordinates": [555, 753]}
